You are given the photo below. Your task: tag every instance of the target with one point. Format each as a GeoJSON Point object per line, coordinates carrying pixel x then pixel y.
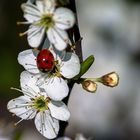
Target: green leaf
{"type": "Point", "coordinates": [85, 66]}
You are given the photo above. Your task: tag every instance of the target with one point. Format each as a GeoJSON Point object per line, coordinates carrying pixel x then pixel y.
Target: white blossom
{"type": "Point", "coordinates": [52, 82]}
{"type": "Point", "coordinates": [36, 104]}
{"type": "Point", "coordinates": [44, 17]}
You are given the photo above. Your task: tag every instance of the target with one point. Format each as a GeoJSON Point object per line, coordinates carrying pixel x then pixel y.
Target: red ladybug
{"type": "Point", "coordinates": [45, 60]}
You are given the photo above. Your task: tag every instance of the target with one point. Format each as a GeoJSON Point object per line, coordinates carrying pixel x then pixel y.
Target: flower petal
{"type": "Point", "coordinates": [59, 110]}
{"type": "Point", "coordinates": [28, 61]}
{"type": "Point", "coordinates": [28, 84]}
{"type": "Point", "coordinates": [64, 18]}
{"type": "Point", "coordinates": [31, 13]}
{"type": "Point", "coordinates": [40, 5]}
{"type": "Point", "coordinates": [56, 88]}
{"type": "Point", "coordinates": [35, 35]}
{"type": "Point", "coordinates": [46, 6]}
{"type": "Point", "coordinates": [46, 125]}
{"type": "Point", "coordinates": [58, 37]}
{"type": "Point", "coordinates": [19, 106]}
{"type": "Point", "coordinates": [71, 67]}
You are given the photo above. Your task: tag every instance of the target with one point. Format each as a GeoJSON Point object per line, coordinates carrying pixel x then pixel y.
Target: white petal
{"type": "Point", "coordinates": [64, 18]}
{"type": "Point", "coordinates": [56, 88]}
{"type": "Point", "coordinates": [28, 84]}
{"type": "Point", "coordinates": [28, 61]}
{"type": "Point", "coordinates": [35, 35]}
{"type": "Point", "coordinates": [19, 106]}
{"type": "Point", "coordinates": [40, 5]}
{"type": "Point", "coordinates": [46, 6]}
{"type": "Point", "coordinates": [40, 78]}
{"type": "Point", "coordinates": [59, 110]}
{"type": "Point", "coordinates": [31, 13]}
{"type": "Point", "coordinates": [71, 67]}
{"type": "Point", "coordinates": [46, 125]}
{"type": "Point", "coordinates": [58, 37]}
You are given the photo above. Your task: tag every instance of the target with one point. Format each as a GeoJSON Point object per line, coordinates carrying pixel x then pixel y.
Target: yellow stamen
{"type": "Point", "coordinates": [20, 23]}
{"type": "Point", "coordinates": [22, 34]}
{"type": "Point", "coordinates": [15, 124]}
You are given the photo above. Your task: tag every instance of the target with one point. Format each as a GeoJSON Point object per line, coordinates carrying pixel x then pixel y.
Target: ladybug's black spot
{"type": "Point", "coordinates": [47, 61]}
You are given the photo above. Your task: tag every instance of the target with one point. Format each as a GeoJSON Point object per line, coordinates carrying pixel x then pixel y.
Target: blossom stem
{"type": "Point", "coordinates": [81, 80]}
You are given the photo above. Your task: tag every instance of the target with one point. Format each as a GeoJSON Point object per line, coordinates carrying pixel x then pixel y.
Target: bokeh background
{"type": "Point", "coordinates": [111, 32]}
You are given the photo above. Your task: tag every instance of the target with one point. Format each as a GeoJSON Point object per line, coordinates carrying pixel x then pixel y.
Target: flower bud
{"type": "Point", "coordinates": [110, 79]}
{"type": "Point", "coordinates": [89, 86]}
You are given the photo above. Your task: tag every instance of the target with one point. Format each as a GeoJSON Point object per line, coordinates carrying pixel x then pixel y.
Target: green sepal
{"type": "Point", "coordinates": [85, 65]}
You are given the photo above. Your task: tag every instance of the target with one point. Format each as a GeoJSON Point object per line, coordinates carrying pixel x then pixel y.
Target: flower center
{"type": "Point", "coordinates": [47, 21]}
{"type": "Point", "coordinates": [56, 70]}
{"type": "Point", "coordinates": [41, 104]}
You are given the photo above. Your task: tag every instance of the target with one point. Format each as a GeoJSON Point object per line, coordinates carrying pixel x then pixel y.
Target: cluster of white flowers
{"type": "Point", "coordinates": [44, 83]}
{"type": "Point", "coordinates": [50, 66]}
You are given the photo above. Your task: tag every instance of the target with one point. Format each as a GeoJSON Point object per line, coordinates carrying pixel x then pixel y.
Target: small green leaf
{"type": "Point", "coordinates": [85, 66]}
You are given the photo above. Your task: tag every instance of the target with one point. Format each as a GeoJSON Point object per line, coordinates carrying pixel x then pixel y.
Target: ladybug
{"type": "Point", "coordinates": [45, 60]}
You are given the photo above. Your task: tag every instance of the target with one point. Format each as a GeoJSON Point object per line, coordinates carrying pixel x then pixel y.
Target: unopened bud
{"type": "Point", "coordinates": [110, 79]}
{"type": "Point", "coordinates": [89, 86]}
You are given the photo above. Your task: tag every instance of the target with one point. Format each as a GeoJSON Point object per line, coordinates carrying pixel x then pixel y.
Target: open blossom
{"type": "Point", "coordinates": [45, 18]}
{"type": "Point", "coordinates": [52, 82]}
{"type": "Point", "coordinates": [36, 104]}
